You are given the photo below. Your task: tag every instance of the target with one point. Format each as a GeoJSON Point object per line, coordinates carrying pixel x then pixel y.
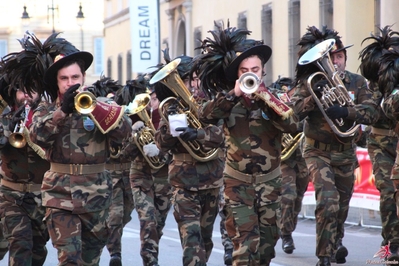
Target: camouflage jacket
{"type": "Point", "coordinates": [195, 175]}
{"type": "Point", "coordinates": [253, 143]}
{"type": "Point", "coordinates": [317, 127]}
{"type": "Point", "coordinates": [390, 105]}
{"type": "Point", "coordinates": [22, 165]}
{"type": "Point", "coordinates": [67, 142]}
{"type": "Point", "coordinates": [383, 121]}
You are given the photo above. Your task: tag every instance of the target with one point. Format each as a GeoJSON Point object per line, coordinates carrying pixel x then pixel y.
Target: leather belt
{"type": "Point", "coordinates": [383, 131]}
{"type": "Point", "coordinates": [186, 157]}
{"type": "Point", "coordinates": [252, 178]}
{"type": "Point", "coordinates": [328, 147]}
{"type": "Point", "coordinates": [117, 166]}
{"type": "Point", "coordinates": [77, 169]}
{"type": "Point", "coordinates": [21, 187]}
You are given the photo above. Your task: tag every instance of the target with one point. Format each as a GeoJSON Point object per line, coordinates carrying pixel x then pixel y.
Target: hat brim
{"type": "Point", "coordinates": [263, 51]}
{"type": "Point", "coordinates": [50, 77]}
{"type": "Point", "coordinates": [341, 49]}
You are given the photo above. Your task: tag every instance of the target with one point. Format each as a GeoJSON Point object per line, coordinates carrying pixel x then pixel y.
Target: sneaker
{"type": "Point", "coordinates": [115, 260]}
{"type": "Point", "coordinates": [288, 244]}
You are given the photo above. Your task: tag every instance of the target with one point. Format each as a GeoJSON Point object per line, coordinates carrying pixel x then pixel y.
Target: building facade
{"type": "Point", "coordinates": [280, 23]}
{"type": "Point", "coordinates": [48, 16]}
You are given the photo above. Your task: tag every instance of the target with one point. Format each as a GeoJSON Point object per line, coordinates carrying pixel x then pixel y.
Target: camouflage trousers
{"type": "Point", "coordinates": [78, 238]}
{"type": "Point", "coordinates": [252, 215]}
{"type": "Point", "coordinates": [152, 199]}
{"type": "Point", "coordinates": [382, 152]}
{"type": "Point", "coordinates": [22, 221]}
{"type": "Point", "coordinates": [294, 183]}
{"type": "Point", "coordinates": [3, 243]}
{"type": "Point", "coordinates": [195, 213]}
{"type": "Point", "coordinates": [332, 174]}
{"type": "Point", "coordinates": [226, 241]}
{"type": "Point", "coordinates": [120, 210]}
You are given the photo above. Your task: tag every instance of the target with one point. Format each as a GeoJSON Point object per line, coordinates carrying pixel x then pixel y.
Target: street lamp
{"type": "Point", "coordinates": [25, 17]}
{"type": "Point", "coordinates": [52, 8]}
{"type": "Point", "coordinates": [80, 19]}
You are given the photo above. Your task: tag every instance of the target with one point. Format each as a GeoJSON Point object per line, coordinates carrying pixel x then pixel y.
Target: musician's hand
{"type": "Point", "coordinates": [16, 118]}
{"type": "Point", "coordinates": [172, 109]}
{"type": "Point", "coordinates": [150, 150]}
{"type": "Point", "coordinates": [318, 87]}
{"type": "Point", "coordinates": [137, 126]}
{"type": "Point", "coordinates": [336, 112]}
{"type": "Point", "coordinates": [237, 91]}
{"type": "Point", "coordinates": [69, 99]}
{"type": "Point", "coordinates": [188, 133]}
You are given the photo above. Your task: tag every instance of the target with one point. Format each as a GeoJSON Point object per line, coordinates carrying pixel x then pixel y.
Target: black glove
{"type": "Point", "coordinates": [17, 117]}
{"type": "Point", "coordinates": [188, 134]}
{"type": "Point", "coordinates": [336, 112]}
{"type": "Point", "coordinates": [69, 99]}
{"type": "Point", "coordinates": [318, 87]}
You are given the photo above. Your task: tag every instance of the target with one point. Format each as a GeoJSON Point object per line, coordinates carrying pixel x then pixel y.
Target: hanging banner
{"type": "Point", "coordinates": [144, 29]}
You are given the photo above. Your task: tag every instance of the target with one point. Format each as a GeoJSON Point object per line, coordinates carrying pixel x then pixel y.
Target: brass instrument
{"type": "Point", "coordinates": [333, 93]}
{"type": "Point", "coordinates": [147, 134]}
{"type": "Point", "coordinates": [17, 139]}
{"type": "Point", "coordinates": [249, 82]}
{"type": "Point", "coordinates": [290, 144]}
{"type": "Point", "coordinates": [85, 102]}
{"type": "Point", "coordinates": [187, 105]}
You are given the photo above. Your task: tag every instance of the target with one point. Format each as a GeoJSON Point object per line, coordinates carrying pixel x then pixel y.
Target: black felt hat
{"type": "Point", "coordinates": [50, 76]}
{"type": "Point", "coordinates": [263, 51]}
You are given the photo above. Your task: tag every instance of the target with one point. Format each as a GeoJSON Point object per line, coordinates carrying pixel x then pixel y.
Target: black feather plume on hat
{"type": "Point", "coordinates": [104, 86]}
{"type": "Point", "coordinates": [389, 70]}
{"type": "Point", "coordinates": [217, 54]}
{"type": "Point", "coordinates": [126, 94]}
{"type": "Point", "coordinates": [26, 69]}
{"type": "Point", "coordinates": [312, 37]}
{"type": "Point", "coordinates": [370, 55]}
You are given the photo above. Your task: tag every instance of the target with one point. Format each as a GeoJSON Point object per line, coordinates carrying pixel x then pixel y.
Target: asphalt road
{"type": "Point", "coordinates": [361, 242]}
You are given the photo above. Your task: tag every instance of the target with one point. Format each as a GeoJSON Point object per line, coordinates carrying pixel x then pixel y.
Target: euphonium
{"type": "Point", "coordinates": [147, 134]}
{"type": "Point", "coordinates": [17, 139]}
{"type": "Point", "coordinates": [290, 144]}
{"type": "Point", "coordinates": [335, 92]}
{"type": "Point", "coordinates": [187, 105]}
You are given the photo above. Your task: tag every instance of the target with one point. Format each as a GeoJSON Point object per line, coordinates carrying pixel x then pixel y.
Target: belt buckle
{"type": "Point", "coordinates": [26, 187]}
{"type": "Point", "coordinates": [75, 169]}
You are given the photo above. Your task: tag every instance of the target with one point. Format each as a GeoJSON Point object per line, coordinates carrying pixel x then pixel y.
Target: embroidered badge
{"type": "Point", "coordinates": [265, 116]}
{"type": "Point", "coordinates": [88, 124]}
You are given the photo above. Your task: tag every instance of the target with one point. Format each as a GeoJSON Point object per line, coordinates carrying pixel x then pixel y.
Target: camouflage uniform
{"type": "Point", "coordinates": [226, 241]}
{"type": "Point", "coordinates": [77, 204]}
{"type": "Point", "coordinates": [122, 201]}
{"type": "Point", "coordinates": [252, 175]}
{"type": "Point", "coordinates": [331, 160]}
{"type": "Point", "coordinates": [3, 243]}
{"type": "Point", "coordinates": [196, 191]}
{"type": "Point", "coordinates": [151, 193]}
{"type": "Point", "coordinates": [21, 208]}
{"type": "Point", "coordinates": [381, 144]}
{"type": "Point", "coordinates": [295, 180]}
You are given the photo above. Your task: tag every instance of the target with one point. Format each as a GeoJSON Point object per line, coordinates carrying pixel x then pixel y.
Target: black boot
{"type": "Point", "coordinates": [228, 257]}
{"type": "Point", "coordinates": [324, 261]}
{"type": "Point", "coordinates": [394, 253]}
{"type": "Point", "coordinates": [340, 254]}
{"type": "Point", "coordinates": [115, 260]}
{"type": "Point", "coordinates": [288, 244]}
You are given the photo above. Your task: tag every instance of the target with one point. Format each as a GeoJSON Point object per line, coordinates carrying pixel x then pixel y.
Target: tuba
{"type": "Point", "coordinates": [334, 92]}
{"type": "Point", "coordinates": [146, 135]}
{"type": "Point", "coordinates": [187, 105]}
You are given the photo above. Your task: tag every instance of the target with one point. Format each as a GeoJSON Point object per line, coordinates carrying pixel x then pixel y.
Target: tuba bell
{"type": "Point", "coordinates": [334, 92]}
{"type": "Point", "coordinates": [187, 105]}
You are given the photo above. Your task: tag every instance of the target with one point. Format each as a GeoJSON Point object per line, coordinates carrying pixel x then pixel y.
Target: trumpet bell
{"type": "Point", "coordinates": [17, 140]}
{"type": "Point", "coordinates": [138, 104]}
{"type": "Point", "coordinates": [85, 102]}
{"type": "Point", "coordinates": [249, 82]}
{"type": "Point", "coordinates": [318, 51]}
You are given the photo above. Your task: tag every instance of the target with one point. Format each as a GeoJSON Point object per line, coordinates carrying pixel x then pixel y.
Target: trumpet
{"type": "Point", "coordinates": [249, 82]}
{"type": "Point", "coordinates": [17, 139]}
{"type": "Point", "coordinates": [85, 102]}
